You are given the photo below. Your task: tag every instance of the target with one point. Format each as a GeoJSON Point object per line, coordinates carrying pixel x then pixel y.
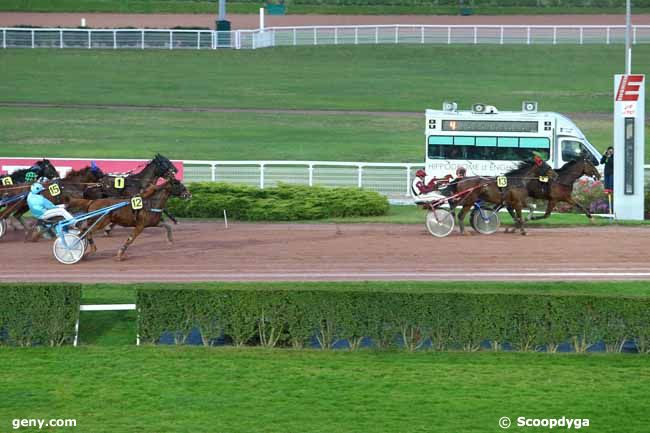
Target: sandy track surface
{"type": "Point", "coordinates": [282, 252]}
{"type": "Point", "coordinates": [251, 21]}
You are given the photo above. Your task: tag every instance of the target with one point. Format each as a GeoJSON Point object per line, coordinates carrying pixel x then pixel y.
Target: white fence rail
{"type": "Point", "coordinates": [393, 180]}
{"type": "Point", "coordinates": [318, 35]}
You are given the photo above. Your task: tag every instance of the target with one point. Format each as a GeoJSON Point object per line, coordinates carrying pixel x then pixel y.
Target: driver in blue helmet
{"type": "Point", "coordinates": [42, 208]}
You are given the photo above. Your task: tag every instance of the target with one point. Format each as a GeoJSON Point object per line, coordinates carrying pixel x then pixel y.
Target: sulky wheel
{"type": "Point", "coordinates": [485, 221]}
{"type": "Point", "coordinates": [69, 248]}
{"type": "Point", "coordinates": [440, 222]}
{"type": "Point", "coordinates": [3, 227]}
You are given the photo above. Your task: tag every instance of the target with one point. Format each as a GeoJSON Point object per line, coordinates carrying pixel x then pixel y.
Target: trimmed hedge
{"type": "Point", "coordinates": [38, 314]}
{"type": "Point", "coordinates": [441, 321]}
{"type": "Point", "coordinates": [282, 203]}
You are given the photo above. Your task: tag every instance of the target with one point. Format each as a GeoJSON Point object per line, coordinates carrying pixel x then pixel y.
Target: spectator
{"type": "Point", "coordinates": [608, 160]}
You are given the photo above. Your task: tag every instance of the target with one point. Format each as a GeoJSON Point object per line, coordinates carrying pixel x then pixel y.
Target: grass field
{"type": "Point", "coordinates": [377, 78]}
{"type": "Point", "coordinates": [251, 7]}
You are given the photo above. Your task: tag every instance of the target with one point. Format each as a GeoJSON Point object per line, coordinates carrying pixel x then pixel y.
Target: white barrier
{"type": "Point", "coordinates": [103, 307]}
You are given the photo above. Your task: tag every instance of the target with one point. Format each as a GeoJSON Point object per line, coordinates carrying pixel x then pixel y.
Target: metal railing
{"type": "Point", "coordinates": [116, 39]}
{"type": "Point", "coordinates": [390, 179]}
{"type": "Point", "coordinates": [317, 35]}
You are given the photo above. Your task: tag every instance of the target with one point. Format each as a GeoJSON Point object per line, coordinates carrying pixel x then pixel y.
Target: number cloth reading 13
{"type": "Point", "coordinates": [502, 181]}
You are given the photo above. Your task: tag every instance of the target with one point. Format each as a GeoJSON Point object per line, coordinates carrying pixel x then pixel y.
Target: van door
{"type": "Point", "coordinates": [572, 149]}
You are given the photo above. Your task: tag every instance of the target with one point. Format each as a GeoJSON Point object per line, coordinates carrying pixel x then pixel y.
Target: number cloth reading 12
{"type": "Point", "coordinates": [136, 203]}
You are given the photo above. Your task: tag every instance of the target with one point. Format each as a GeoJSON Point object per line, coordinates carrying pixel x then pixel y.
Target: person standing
{"type": "Point", "coordinates": [608, 160]}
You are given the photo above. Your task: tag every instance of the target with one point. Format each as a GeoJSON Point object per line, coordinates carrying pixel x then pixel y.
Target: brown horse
{"type": "Point", "coordinates": [154, 200]}
{"type": "Point", "coordinates": [514, 195]}
{"type": "Point", "coordinates": [561, 189]}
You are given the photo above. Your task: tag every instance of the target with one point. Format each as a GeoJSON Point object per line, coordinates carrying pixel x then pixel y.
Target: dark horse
{"type": "Point", "coordinates": [154, 199]}
{"type": "Point", "coordinates": [561, 189]}
{"type": "Point", "coordinates": [42, 168]}
{"type": "Point", "coordinates": [514, 195]}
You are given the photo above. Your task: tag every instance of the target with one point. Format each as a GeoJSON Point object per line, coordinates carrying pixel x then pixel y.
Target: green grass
{"type": "Point", "coordinates": [385, 78]}
{"type": "Point", "coordinates": [209, 7]}
{"type": "Point", "coordinates": [158, 389]}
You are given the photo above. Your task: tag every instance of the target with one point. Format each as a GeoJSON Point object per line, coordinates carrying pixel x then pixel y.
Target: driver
{"type": "Point", "coordinates": [424, 191]}
{"type": "Point", "coordinates": [42, 208]}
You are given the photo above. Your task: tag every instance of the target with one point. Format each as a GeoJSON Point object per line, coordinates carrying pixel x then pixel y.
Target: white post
{"type": "Point", "coordinates": [60, 38]}
{"type": "Point", "coordinates": [198, 40]}
{"type": "Point", "coordinates": [360, 177]}
{"type": "Point", "coordinates": [408, 180]}
{"type": "Point", "coordinates": [213, 172]}
{"type": "Point", "coordinates": [4, 38]}
{"type": "Point", "coordinates": [376, 35]}
{"type": "Point", "coordinates": [634, 35]}
{"type": "Point", "coordinates": [336, 35]}
{"type": "Point", "coordinates": [475, 35]}
{"type": "Point", "coordinates": [171, 40]}
{"type": "Point", "coordinates": [142, 39]}
{"type": "Point", "coordinates": [581, 35]}
{"type": "Point", "coordinates": [294, 37]}
{"type": "Point", "coordinates": [527, 35]}
{"type": "Point", "coordinates": [32, 38]}
{"type": "Point", "coordinates": [315, 37]}
{"type": "Point", "coordinates": [448, 35]}
{"type": "Point", "coordinates": [311, 174]}
{"type": "Point", "coordinates": [607, 35]}
{"type": "Point", "coordinates": [422, 34]}
{"type": "Point", "coordinates": [261, 19]}
{"type": "Point", "coordinates": [83, 22]}
{"type": "Point", "coordinates": [501, 36]}
{"type": "Point", "coordinates": [76, 333]}
{"type": "Point", "coordinates": [114, 40]}
{"type": "Point", "coordinates": [554, 35]}
{"type": "Point", "coordinates": [90, 40]}
{"type": "Point", "coordinates": [396, 34]}
{"type": "Point", "coordinates": [214, 39]}
{"type": "Point", "coordinates": [262, 176]}
{"type": "Point", "coordinates": [356, 35]}
{"type": "Point", "coordinates": [225, 218]}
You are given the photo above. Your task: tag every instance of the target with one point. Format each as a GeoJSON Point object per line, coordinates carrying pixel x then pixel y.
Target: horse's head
{"type": "Point", "coordinates": [163, 166]}
{"type": "Point", "coordinates": [44, 168]}
{"type": "Point", "coordinates": [177, 189]}
{"type": "Point", "coordinates": [86, 174]}
{"type": "Point", "coordinates": [589, 169]}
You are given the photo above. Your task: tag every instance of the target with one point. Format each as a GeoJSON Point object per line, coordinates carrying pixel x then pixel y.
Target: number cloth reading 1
{"type": "Point", "coordinates": [54, 190]}
{"type": "Point", "coordinates": [502, 181]}
{"type": "Point", "coordinates": [6, 181]}
{"type": "Point", "coordinates": [543, 179]}
{"type": "Point", "coordinates": [136, 203]}
{"type": "Point", "coordinates": [119, 183]}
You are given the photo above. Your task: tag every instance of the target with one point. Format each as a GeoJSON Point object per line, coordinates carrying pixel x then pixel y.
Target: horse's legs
{"type": "Point", "coordinates": [108, 229]}
{"type": "Point", "coordinates": [518, 210]}
{"type": "Point", "coordinates": [461, 218]}
{"type": "Point", "coordinates": [514, 220]}
{"type": "Point", "coordinates": [121, 253]}
{"type": "Point", "coordinates": [168, 230]}
{"type": "Point", "coordinates": [92, 248]}
{"type": "Point", "coordinates": [581, 207]}
{"type": "Point", "coordinates": [550, 205]}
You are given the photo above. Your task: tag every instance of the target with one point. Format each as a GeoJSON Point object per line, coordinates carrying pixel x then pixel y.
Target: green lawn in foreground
{"type": "Point", "coordinates": [209, 7]}
{"type": "Point", "coordinates": [388, 78]}
{"type": "Point", "coordinates": [97, 133]}
{"type": "Point", "coordinates": [172, 389]}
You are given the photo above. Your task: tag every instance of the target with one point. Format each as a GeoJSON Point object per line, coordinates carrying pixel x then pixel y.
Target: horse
{"type": "Point", "coordinates": [514, 195]}
{"type": "Point", "coordinates": [561, 189]}
{"type": "Point", "coordinates": [42, 168]}
{"type": "Point", "coordinates": [154, 199]}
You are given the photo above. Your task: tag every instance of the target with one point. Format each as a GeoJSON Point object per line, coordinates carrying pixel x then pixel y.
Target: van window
{"type": "Point", "coordinates": [573, 150]}
{"type": "Point", "coordinates": [487, 148]}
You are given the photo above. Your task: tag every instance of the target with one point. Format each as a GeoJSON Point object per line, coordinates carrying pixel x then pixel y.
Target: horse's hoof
{"type": "Point", "coordinates": [92, 249]}
{"type": "Point", "coordinates": [120, 258]}
{"type": "Point", "coordinates": [592, 221]}
{"type": "Point", "coordinates": [107, 234]}
{"type": "Point", "coordinates": [523, 233]}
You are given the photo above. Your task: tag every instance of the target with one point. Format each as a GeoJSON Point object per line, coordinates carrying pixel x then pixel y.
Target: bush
{"type": "Point", "coordinates": [440, 320]}
{"type": "Point", "coordinates": [282, 203]}
{"type": "Point", "coordinates": [589, 193]}
{"type": "Point", "coordinates": [38, 314]}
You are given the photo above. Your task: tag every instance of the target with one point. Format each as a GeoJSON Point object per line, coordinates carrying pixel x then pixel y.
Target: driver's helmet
{"type": "Point", "coordinates": [421, 174]}
{"type": "Point", "coordinates": [461, 171]}
{"type": "Point", "coordinates": [37, 188]}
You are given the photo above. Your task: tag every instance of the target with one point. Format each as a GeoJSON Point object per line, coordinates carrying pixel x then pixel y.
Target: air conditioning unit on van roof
{"type": "Point", "coordinates": [484, 109]}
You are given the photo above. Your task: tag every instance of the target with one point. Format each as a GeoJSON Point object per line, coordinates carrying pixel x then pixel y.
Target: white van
{"type": "Point", "coordinates": [489, 142]}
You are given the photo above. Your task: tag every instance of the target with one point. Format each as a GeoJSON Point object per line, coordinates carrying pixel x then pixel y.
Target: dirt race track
{"type": "Point", "coordinates": [247, 252]}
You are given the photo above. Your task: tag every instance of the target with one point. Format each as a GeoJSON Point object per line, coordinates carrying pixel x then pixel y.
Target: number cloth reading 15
{"type": "Point", "coordinates": [502, 181]}
{"type": "Point", "coordinates": [6, 181]}
{"type": "Point", "coordinates": [119, 183]}
{"type": "Point", "coordinates": [54, 190]}
{"type": "Point", "coordinates": [136, 203]}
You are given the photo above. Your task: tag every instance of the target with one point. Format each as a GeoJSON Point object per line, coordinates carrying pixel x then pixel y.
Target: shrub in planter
{"type": "Point", "coordinates": [589, 193]}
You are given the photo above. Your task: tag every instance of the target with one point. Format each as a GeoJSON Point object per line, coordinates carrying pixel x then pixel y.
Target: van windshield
{"type": "Point", "coordinates": [487, 148]}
